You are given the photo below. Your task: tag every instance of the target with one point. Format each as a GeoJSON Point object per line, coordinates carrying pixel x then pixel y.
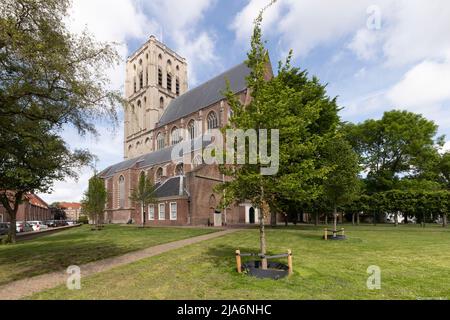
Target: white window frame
{"type": "Point", "coordinates": [151, 212]}
{"type": "Point", "coordinates": [176, 211]}
{"type": "Point", "coordinates": [161, 205]}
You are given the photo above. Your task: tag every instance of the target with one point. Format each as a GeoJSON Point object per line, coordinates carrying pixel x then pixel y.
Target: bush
{"type": "Point", "coordinates": [83, 220]}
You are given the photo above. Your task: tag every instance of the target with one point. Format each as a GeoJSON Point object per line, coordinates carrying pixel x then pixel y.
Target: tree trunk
{"type": "Point", "coordinates": [335, 215]}
{"type": "Point", "coordinates": [143, 214]}
{"type": "Point", "coordinates": [353, 218]}
{"type": "Point", "coordinates": [262, 236]}
{"type": "Point", "coordinates": [316, 220]}
{"type": "Point", "coordinates": [444, 220]}
{"type": "Point", "coordinates": [405, 218]}
{"type": "Point", "coordinates": [11, 238]}
{"type": "Point", "coordinates": [396, 218]}
{"type": "Point", "coordinates": [326, 219]}
{"type": "Point", "coordinates": [357, 218]}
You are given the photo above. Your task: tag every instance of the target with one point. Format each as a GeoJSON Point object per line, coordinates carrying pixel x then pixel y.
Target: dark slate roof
{"type": "Point", "coordinates": [206, 94]}
{"type": "Point", "coordinates": [153, 158]}
{"type": "Point", "coordinates": [170, 188]}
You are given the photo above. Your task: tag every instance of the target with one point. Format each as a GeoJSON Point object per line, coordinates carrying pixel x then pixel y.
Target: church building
{"type": "Point", "coordinates": [161, 114]}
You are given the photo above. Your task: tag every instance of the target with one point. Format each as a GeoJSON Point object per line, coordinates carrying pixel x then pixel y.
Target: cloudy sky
{"type": "Point", "coordinates": [374, 55]}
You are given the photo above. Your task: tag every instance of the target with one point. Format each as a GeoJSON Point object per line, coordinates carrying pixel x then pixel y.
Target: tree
{"type": "Point", "coordinates": [144, 194]}
{"type": "Point", "coordinates": [49, 79]}
{"type": "Point", "coordinates": [94, 200]}
{"type": "Point", "coordinates": [341, 184]}
{"type": "Point", "coordinates": [398, 145]}
{"type": "Point", "coordinates": [305, 118]}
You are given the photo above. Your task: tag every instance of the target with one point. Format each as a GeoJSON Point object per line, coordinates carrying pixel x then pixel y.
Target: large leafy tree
{"type": "Point", "coordinates": [401, 144]}
{"type": "Point", "coordinates": [144, 194]}
{"type": "Point", "coordinates": [306, 119]}
{"type": "Point", "coordinates": [94, 200]}
{"type": "Point", "coordinates": [49, 79]}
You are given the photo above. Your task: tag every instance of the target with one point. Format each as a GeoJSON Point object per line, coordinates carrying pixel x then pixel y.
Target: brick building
{"type": "Point", "coordinates": [71, 209]}
{"type": "Point", "coordinates": [33, 208]}
{"type": "Point", "coordinates": [162, 121]}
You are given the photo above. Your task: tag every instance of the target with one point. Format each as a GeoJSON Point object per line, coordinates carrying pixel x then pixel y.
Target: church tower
{"type": "Point", "coordinates": [155, 75]}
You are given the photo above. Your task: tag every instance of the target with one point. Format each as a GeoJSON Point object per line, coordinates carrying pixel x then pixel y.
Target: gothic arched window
{"type": "Point", "coordinates": [121, 192]}
{"type": "Point", "coordinates": [161, 103]}
{"type": "Point", "coordinates": [179, 170]}
{"type": "Point", "coordinates": [158, 175]}
{"type": "Point", "coordinates": [160, 141]}
{"type": "Point", "coordinates": [198, 160]}
{"type": "Point", "coordinates": [141, 80]}
{"type": "Point", "coordinates": [212, 120]}
{"type": "Point", "coordinates": [160, 77]}
{"type": "Point", "coordinates": [175, 136]}
{"type": "Point", "coordinates": [177, 86]}
{"type": "Point", "coordinates": [169, 82]}
{"type": "Point", "coordinates": [191, 129]}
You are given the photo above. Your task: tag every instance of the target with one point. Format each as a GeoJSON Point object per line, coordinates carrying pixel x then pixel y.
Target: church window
{"type": "Point", "coordinates": [121, 192]}
{"type": "Point", "coordinates": [160, 77]}
{"type": "Point", "coordinates": [161, 103]}
{"type": "Point", "coordinates": [175, 136]}
{"type": "Point", "coordinates": [191, 129]}
{"type": "Point", "coordinates": [160, 144]}
{"type": "Point", "coordinates": [179, 170]}
{"type": "Point", "coordinates": [169, 82]}
{"type": "Point", "coordinates": [212, 120]}
{"type": "Point", "coordinates": [158, 175]}
{"type": "Point", "coordinates": [177, 86]}
{"type": "Point", "coordinates": [141, 80]}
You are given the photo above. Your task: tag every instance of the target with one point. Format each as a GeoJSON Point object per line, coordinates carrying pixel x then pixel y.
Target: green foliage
{"type": "Point", "coordinates": [144, 194]}
{"type": "Point", "coordinates": [49, 79]}
{"type": "Point", "coordinates": [94, 200]}
{"type": "Point", "coordinates": [400, 144]}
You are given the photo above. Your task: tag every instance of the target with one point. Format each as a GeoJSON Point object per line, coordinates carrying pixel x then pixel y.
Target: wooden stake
{"type": "Point", "coordinates": [326, 234]}
{"type": "Point", "coordinates": [238, 261]}
{"type": "Point", "coordinates": [291, 271]}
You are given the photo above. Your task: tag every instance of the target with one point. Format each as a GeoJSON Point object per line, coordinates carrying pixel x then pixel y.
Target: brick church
{"type": "Point", "coordinates": [161, 114]}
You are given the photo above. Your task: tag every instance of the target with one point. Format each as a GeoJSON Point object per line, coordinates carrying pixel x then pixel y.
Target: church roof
{"type": "Point", "coordinates": [170, 188]}
{"type": "Point", "coordinates": [156, 157]}
{"type": "Point", "coordinates": [206, 94]}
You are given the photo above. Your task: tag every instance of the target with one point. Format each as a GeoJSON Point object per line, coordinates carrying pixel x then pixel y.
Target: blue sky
{"type": "Point", "coordinates": [375, 55]}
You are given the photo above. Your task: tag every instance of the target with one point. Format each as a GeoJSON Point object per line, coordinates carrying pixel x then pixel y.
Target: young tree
{"type": "Point", "coordinates": [144, 194]}
{"type": "Point", "coordinates": [306, 118]}
{"type": "Point", "coordinates": [49, 79]}
{"type": "Point", "coordinates": [94, 200]}
{"type": "Point", "coordinates": [342, 183]}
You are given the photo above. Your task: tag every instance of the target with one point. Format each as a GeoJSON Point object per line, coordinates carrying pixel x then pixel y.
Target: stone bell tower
{"type": "Point", "coordinates": [155, 75]}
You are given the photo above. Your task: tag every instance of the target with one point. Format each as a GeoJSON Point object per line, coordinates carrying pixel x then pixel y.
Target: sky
{"type": "Point", "coordinates": [374, 55]}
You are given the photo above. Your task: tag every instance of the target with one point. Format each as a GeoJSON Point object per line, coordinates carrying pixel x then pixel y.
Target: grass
{"type": "Point", "coordinates": [414, 264]}
{"type": "Point", "coordinates": [81, 245]}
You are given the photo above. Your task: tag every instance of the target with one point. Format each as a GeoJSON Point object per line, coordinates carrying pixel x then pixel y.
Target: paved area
{"type": "Point", "coordinates": [26, 287]}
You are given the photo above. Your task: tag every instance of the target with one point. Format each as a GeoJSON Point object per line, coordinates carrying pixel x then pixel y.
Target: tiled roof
{"type": "Point", "coordinates": [206, 94]}
{"type": "Point", "coordinates": [70, 205]}
{"type": "Point", "coordinates": [171, 188]}
{"type": "Point", "coordinates": [36, 201]}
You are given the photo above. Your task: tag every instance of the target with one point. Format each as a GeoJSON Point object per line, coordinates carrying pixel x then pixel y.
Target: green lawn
{"type": "Point", "coordinates": [414, 264]}
{"type": "Point", "coordinates": [81, 245]}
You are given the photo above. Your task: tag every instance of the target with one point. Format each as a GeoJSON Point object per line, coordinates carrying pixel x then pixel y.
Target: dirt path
{"type": "Point", "coordinates": [26, 287]}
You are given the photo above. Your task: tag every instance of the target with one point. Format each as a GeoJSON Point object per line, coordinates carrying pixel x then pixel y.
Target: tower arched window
{"type": "Point", "coordinates": [160, 144]}
{"type": "Point", "coordinates": [212, 121]}
{"type": "Point", "coordinates": [169, 82]}
{"type": "Point", "coordinates": [146, 77]}
{"type": "Point", "coordinates": [141, 80]}
{"type": "Point", "coordinates": [161, 103]}
{"type": "Point", "coordinates": [121, 192]}
{"type": "Point", "coordinates": [198, 160]}
{"type": "Point", "coordinates": [179, 170]}
{"type": "Point", "coordinates": [135, 86]}
{"type": "Point", "coordinates": [191, 129]}
{"type": "Point", "coordinates": [175, 136]}
{"type": "Point", "coordinates": [160, 77]}
{"type": "Point", "coordinates": [177, 86]}
{"type": "Point", "coordinates": [139, 104]}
